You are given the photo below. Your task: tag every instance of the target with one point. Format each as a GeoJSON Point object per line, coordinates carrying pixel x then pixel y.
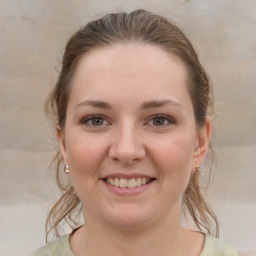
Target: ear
{"type": "Point", "coordinates": [202, 143]}
{"type": "Point", "coordinates": [61, 142]}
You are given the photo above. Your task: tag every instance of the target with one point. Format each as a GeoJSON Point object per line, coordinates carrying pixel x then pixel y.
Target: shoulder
{"type": "Point", "coordinates": [217, 247]}
{"type": "Point", "coordinates": [56, 248]}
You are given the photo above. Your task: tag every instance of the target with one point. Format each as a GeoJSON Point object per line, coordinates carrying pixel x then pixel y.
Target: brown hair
{"type": "Point", "coordinates": [139, 26]}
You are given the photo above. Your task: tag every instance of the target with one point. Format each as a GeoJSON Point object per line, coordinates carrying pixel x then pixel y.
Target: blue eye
{"type": "Point", "coordinates": [94, 121]}
{"type": "Point", "coordinates": [160, 120]}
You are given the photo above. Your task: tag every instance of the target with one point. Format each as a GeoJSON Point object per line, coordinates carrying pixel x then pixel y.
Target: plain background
{"type": "Point", "coordinates": [33, 34]}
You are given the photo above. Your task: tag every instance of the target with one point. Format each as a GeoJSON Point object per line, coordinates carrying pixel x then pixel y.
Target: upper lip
{"type": "Point", "coordinates": [127, 176]}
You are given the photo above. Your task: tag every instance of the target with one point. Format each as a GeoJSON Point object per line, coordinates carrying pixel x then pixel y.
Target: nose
{"type": "Point", "coordinates": [127, 146]}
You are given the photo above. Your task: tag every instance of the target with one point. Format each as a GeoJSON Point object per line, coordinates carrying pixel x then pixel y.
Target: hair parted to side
{"type": "Point", "coordinates": [148, 28]}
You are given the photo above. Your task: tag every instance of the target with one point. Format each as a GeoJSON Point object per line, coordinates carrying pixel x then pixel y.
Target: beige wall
{"type": "Point", "coordinates": [33, 34]}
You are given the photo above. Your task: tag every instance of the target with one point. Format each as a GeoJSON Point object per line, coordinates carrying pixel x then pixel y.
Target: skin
{"type": "Point", "coordinates": [128, 140]}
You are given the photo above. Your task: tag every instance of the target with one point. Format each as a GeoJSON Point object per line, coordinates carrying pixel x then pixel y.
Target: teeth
{"type": "Point", "coordinates": [128, 183]}
{"type": "Point", "coordinates": [123, 183]}
{"type": "Point", "coordinates": [117, 182]}
{"type": "Point", "coordinates": [132, 183]}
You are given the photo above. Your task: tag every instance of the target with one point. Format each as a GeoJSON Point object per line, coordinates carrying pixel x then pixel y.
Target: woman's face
{"type": "Point", "coordinates": [129, 122]}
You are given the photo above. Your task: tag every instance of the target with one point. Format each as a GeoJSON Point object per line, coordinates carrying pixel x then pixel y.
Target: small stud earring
{"type": "Point", "coordinates": [198, 168]}
{"type": "Point", "coordinates": [66, 169]}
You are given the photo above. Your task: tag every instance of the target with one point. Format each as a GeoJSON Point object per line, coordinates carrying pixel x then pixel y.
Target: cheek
{"type": "Point", "coordinates": [174, 160]}
{"type": "Point", "coordinates": [84, 154]}
{"type": "Point", "coordinates": [174, 154]}
{"type": "Point", "coordinates": [85, 157]}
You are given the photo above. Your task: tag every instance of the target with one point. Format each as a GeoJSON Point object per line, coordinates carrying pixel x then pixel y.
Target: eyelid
{"type": "Point", "coordinates": [166, 117]}
{"type": "Point", "coordinates": [85, 120]}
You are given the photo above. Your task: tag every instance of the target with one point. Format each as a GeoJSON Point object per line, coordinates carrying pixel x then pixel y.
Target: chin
{"type": "Point", "coordinates": [128, 224]}
{"type": "Point", "coordinates": [129, 217]}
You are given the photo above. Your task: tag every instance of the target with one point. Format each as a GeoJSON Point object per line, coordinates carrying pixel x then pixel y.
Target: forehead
{"type": "Point", "coordinates": [132, 68]}
{"type": "Point", "coordinates": [132, 54]}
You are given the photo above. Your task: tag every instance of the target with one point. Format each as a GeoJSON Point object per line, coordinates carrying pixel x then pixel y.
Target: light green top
{"type": "Point", "coordinates": [212, 247]}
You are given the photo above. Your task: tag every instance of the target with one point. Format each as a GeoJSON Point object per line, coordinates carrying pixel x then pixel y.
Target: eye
{"type": "Point", "coordinates": [95, 121]}
{"type": "Point", "coordinates": [160, 120]}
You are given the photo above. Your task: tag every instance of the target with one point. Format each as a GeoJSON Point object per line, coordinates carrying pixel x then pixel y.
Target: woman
{"type": "Point", "coordinates": [132, 109]}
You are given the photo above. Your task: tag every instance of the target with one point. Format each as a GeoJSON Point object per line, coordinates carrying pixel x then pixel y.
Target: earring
{"type": "Point", "coordinates": [198, 168]}
{"type": "Point", "coordinates": [66, 169]}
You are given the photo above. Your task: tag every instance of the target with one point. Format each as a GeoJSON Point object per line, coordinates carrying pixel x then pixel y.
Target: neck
{"type": "Point", "coordinates": [165, 238]}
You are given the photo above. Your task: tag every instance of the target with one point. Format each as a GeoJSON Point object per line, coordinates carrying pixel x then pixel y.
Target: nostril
{"type": "Point", "coordinates": [127, 155]}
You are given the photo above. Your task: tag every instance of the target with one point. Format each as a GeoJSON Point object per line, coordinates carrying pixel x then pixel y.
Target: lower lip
{"type": "Point", "coordinates": [128, 191]}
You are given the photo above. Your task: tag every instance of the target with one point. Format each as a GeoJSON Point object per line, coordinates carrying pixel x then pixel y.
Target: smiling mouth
{"type": "Point", "coordinates": [128, 183]}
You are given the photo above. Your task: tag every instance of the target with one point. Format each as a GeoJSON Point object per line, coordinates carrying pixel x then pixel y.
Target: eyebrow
{"type": "Point", "coordinates": [94, 103]}
{"type": "Point", "coordinates": [158, 104]}
{"type": "Point", "coordinates": [145, 105]}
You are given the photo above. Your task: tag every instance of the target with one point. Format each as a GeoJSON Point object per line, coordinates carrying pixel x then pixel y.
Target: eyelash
{"type": "Point", "coordinates": [166, 118]}
{"type": "Point", "coordinates": [85, 121]}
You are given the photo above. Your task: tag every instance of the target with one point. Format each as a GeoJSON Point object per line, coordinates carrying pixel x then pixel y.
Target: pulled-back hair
{"type": "Point", "coordinates": [148, 28]}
